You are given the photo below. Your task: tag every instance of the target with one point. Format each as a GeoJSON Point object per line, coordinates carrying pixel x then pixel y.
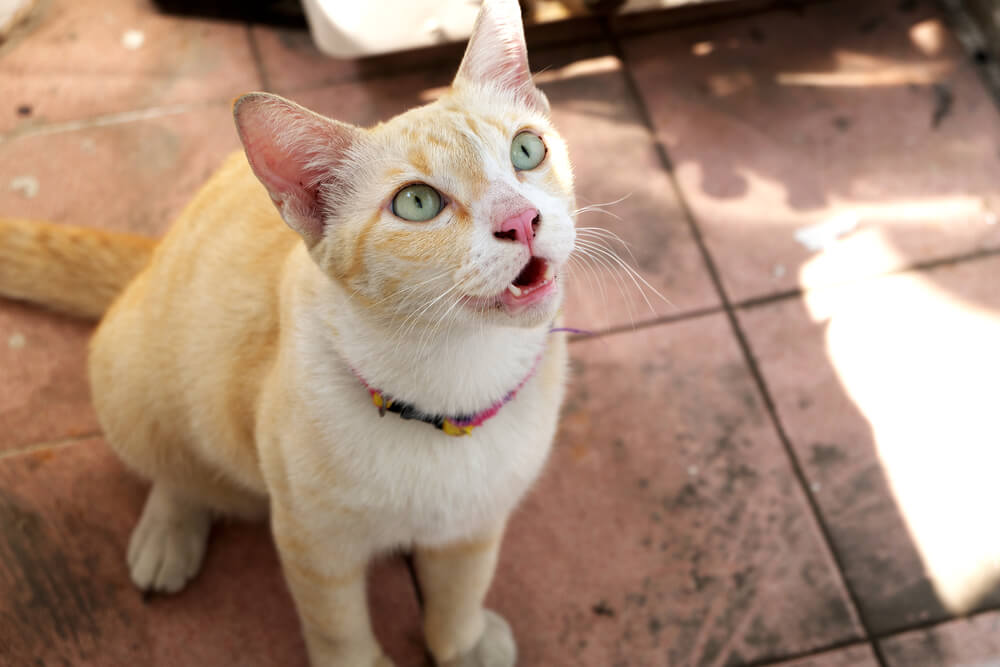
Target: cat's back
{"type": "Point", "coordinates": [217, 271]}
{"type": "Point", "coordinates": [197, 331]}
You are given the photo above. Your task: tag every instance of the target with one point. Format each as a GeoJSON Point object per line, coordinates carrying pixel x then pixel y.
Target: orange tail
{"type": "Point", "coordinates": [74, 270]}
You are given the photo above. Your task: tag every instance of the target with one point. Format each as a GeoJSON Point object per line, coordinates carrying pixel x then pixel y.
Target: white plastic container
{"type": "Point", "coordinates": [353, 28]}
{"type": "Point", "coordinates": [356, 28]}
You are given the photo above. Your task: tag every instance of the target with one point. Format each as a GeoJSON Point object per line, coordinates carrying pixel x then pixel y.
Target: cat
{"type": "Point", "coordinates": [361, 350]}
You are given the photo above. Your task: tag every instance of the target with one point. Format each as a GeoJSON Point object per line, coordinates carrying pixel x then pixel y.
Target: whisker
{"type": "Point", "coordinates": [619, 282]}
{"type": "Point", "coordinates": [415, 315]}
{"type": "Point", "coordinates": [610, 203]}
{"type": "Point", "coordinates": [634, 275]}
{"type": "Point", "coordinates": [602, 233]}
{"type": "Point", "coordinates": [592, 277]}
{"type": "Point", "coordinates": [408, 288]}
{"type": "Point", "coordinates": [596, 209]}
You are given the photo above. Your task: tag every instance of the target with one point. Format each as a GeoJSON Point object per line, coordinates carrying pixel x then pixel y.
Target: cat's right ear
{"type": "Point", "coordinates": [296, 154]}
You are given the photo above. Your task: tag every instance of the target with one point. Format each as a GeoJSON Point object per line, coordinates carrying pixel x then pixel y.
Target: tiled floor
{"type": "Point", "coordinates": [794, 462]}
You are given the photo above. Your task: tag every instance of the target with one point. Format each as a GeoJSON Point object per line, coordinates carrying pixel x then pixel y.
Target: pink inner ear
{"type": "Point", "coordinates": [281, 176]}
{"type": "Point", "coordinates": [497, 53]}
{"type": "Point", "coordinates": [292, 151]}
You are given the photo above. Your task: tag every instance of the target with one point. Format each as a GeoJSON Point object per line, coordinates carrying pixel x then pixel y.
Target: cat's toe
{"type": "Point", "coordinates": [496, 648]}
{"type": "Point", "coordinates": [167, 547]}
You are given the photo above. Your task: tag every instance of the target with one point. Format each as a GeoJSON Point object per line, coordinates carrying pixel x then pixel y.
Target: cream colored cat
{"type": "Point", "coordinates": [379, 372]}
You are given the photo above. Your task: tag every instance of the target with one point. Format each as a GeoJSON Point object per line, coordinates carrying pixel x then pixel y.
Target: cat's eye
{"type": "Point", "coordinates": [417, 203]}
{"type": "Point", "coordinates": [527, 151]}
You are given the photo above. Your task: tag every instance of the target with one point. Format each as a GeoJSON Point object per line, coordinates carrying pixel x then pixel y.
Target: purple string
{"type": "Point", "coordinates": [582, 332]}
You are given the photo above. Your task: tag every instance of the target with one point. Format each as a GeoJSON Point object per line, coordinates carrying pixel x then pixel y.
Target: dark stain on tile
{"type": "Point", "coordinates": [619, 450]}
{"type": "Point", "coordinates": [927, 650]}
{"type": "Point", "coordinates": [603, 609]}
{"type": "Point", "coordinates": [740, 578]}
{"type": "Point", "coordinates": [842, 123]}
{"type": "Point", "coordinates": [900, 606]}
{"type": "Point", "coordinates": [866, 483]}
{"type": "Point", "coordinates": [685, 498]}
{"type": "Point", "coordinates": [740, 478]}
{"type": "Point", "coordinates": [944, 101]}
{"type": "Point", "coordinates": [834, 613]}
{"type": "Point", "coordinates": [24, 110]}
{"type": "Point", "coordinates": [762, 637]}
{"type": "Point", "coordinates": [825, 455]}
{"type": "Point", "coordinates": [48, 602]}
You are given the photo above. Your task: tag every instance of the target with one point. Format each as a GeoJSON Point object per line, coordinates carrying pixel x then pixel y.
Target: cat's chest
{"type": "Point", "coordinates": [414, 483]}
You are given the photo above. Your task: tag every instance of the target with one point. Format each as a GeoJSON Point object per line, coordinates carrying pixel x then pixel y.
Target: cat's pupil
{"type": "Point", "coordinates": [524, 149]}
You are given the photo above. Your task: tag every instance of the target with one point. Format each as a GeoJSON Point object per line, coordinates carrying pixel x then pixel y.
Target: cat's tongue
{"type": "Point", "coordinates": [534, 283]}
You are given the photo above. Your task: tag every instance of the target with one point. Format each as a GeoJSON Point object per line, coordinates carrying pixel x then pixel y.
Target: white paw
{"type": "Point", "coordinates": [496, 648]}
{"type": "Point", "coordinates": [167, 547]}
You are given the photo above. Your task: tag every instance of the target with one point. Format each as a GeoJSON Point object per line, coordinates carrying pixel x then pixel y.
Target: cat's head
{"type": "Point", "coordinates": [459, 210]}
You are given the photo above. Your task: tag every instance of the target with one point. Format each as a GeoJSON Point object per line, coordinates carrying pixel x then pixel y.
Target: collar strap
{"type": "Point", "coordinates": [455, 425]}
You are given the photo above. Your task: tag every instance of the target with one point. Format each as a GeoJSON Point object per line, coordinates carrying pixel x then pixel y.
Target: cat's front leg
{"type": "Point", "coordinates": [326, 577]}
{"type": "Point", "coordinates": [454, 579]}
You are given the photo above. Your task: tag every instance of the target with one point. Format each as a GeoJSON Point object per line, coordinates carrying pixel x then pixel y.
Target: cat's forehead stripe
{"type": "Point", "coordinates": [418, 158]}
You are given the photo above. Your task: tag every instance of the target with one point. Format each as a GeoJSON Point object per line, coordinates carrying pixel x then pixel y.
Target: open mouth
{"type": "Point", "coordinates": [535, 281]}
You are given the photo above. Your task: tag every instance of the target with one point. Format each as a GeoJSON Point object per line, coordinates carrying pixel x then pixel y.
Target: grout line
{"type": "Point", "coordinates": [733, 14]}
{"type": "Point", "coordinates": [785, 295]}
{"type": "Point", "coordinates": [258, 59]}
{"type": "Point", "coordinates": [928, 625]}
{"type": "Point", "coordinates": [646, 324]}
{"type": "Point", "coordinates": [835, 646]}
{"type": "Point", "coordinates": [48, 444]}
{"type": "Point", "coordinates": [743, 342]}
{"type": "Point", "coordinates": [106, 120]}
{"type": "Point", "coordinates": [984, 253]}
{"type": "Point", "coordinates": [916, 267]}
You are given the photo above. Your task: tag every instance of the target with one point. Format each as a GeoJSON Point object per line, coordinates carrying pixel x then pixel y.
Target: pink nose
{"type": "Point", "coordinates": [519, 228]}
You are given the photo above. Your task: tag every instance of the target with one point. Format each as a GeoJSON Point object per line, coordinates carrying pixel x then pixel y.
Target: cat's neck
{"type": "Point", "coordinates": [439, 369]}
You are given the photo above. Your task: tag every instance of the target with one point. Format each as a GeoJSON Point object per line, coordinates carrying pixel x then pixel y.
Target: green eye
{"type": "Point", "coordinates": [417, 203]}
{"type": "Point", "coordinates": [527, 151]}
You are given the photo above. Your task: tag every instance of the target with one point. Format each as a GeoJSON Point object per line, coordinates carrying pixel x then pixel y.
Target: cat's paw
{"type": "Point", "coordinates": [167, 547]}
{"type": "Point", "coordinates": [496, 648]}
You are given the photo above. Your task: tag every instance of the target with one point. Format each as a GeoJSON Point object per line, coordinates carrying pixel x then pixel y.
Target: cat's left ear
{"type": "Point", "coordinates": [296, 154]}
{"type": "Point", "coordinates": [498, 56]}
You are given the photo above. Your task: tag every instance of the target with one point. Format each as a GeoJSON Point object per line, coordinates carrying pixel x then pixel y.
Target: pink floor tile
{"type": "Point", "coordinates": [44, 395]}
{"type": "Point", "coordinates": [86, 59]}
{"type": "Point", "coordinates": [65, 596]}
{"type": "Point", "coordinates": [859, 120]}
{"type": "Point", "coordinates": [965, 642]}
{"type": "Point", "coordinates": [669, 529]}
{"type": "Point", "coordinates": [854, 656]}
{"type": "Point", "coordinates": [133, 176]}
{"type": "Point", "coordinates": [292, 63]}
{"type": "Point", "coordinates": [886, 389]}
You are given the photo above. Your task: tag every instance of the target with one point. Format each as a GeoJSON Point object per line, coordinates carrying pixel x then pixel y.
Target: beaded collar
{"type": "Point", "coordinates": [455, 425]}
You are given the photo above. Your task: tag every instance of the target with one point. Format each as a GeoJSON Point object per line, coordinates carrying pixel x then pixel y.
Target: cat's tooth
{"type": "Point", "coordinates": [514, 289]}
{"type": "Point", "coordinates": [550, 273]}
